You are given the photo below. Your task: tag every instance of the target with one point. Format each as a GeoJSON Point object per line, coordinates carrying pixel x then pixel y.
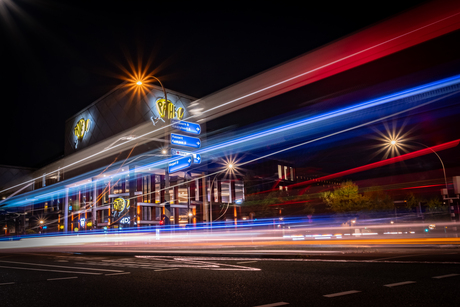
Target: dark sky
{"type": "Point", "coordinates": [58, 57]}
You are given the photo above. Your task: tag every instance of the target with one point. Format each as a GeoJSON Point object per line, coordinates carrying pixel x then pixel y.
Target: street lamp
{"type": "Point", "coordinates": [228, 168]}
{"type": "Point", "coordinates": [396, 143]}
{"type": "Point", "coordinates": [139, 83]}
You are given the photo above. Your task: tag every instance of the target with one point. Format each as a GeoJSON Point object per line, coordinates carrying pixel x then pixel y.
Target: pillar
{"type": "Point", "coordinates": [94, 203]}
{"type": "Point", "coordinates": [66, 210]}
{"type": "Point", "coordinates": [132, 198]}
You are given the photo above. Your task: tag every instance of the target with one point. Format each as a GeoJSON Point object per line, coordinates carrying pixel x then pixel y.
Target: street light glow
{"type": "Point", "coordinates": [139, 82]}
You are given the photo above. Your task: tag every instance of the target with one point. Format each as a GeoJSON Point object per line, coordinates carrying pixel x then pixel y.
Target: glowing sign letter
{"type": "Point", "coordinates": [81, 128]}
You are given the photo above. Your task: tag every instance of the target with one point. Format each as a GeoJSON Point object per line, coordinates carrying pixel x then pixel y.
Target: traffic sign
{"type": "Point", "coordinates": [186, 126]}
{"type": "Point", "coordinates": [183, 153]}
{"type": "Point", "coordinates": [183, 140]}
{"type": "Point", "coordinates": [179, 164]}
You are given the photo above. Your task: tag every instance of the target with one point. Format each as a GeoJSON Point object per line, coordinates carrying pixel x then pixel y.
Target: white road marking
{"type": "Point", "coordinates": [166, 269]}
{"type": "Point", "coordinates": [6, 283]}
{"type": "Point", "coordinates": [124, 273]}
{"type": "Point", "coordinates": [184, 262]}
{"type": "Point", "coordinates": [399, 284]}
{"type": "Point", "coordinates": [402, 256]}
{"type": "Point", "coordinates": [315, 260]}
{"type": "Point", "coordinates": [341, 293]}
{"type": "Point", "coordinates": [273, 304]}
{"type": "Point", "coordinates": [44, 270]}
{"type": "Point", "coordinates": [246, 262]}
{"type": "Point", "coordinates": [445, 276]}
{"type": "Point", "coordinates": [60, 266]}
{"type": "Point", "coordinates": [73, 277]}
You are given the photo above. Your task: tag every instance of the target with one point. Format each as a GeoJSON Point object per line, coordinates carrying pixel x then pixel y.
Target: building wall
{"type": "Point", "coordinates": [116, 112]}
{"type": "Point", "coordinates": [12, 175]}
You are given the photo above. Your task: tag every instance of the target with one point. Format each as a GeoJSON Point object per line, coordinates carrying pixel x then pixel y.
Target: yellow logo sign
{"type": "Point", "coordinates": [169, 110]}
{"type": "Point", "coordinates": [81, 128]}
{"type": "Point", "coordinates": [120, 205]}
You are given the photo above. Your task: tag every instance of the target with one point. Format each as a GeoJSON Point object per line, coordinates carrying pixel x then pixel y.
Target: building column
{"type": "Point", "coordinates": [66, 210]}
{"type": "Point", "coordinates": [219, 190]}
{"type": "Point", "coordinates": [204, 198]}
{"type": "Point", "coordinates": [162, 189]}
{"type": "Point", "coordinates": [152, 188]}
{"type": "Point", "coordinates": [132, 198]}
{"type": "Point", "coordinates": [94, 203]}
{"type": "Point", "coordinates": [232, 191]}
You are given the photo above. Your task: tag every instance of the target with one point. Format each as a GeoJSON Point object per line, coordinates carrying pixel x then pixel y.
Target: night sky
{"type": "Point", "coordinates": [58, 56]}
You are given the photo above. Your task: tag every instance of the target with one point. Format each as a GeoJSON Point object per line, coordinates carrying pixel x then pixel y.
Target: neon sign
{"type": "Point", "coordinates": [81, 128]}
{"type": "Point", "coordinates": [82, 222]}
{"type": "Point", "coordinates": [169, 110]}
{"type": "Point", "coordinates": [120, 205]}
{"type": "Point", "coordinates": [125, 220]}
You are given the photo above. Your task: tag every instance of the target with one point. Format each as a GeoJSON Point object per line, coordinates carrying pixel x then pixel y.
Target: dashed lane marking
{"type": "Point", "coordinates": [73, 277]}
{"type": "Point", "coordinates": [445, 276]}
{"type": "Point", "coordinates": [399, 284]}
{"type": "Point", "coordinates": [44, 270]}
{"type": "Point", "coordinates": [273, 304]}
{"type": "Point", "coordinates": [6, 283]}
{"type": "Point", "coordinates": [400, 256]}
{"type": "Point", "coordinates": [246, 262]}
{"type": "Point", "coordinates": [61, 266]}
{"type": "Point", "coordinates": [341, 293]}
{"type": "Point", "coordinates": [124, 273]}
{"type": "Point", "coordinates": [166, 270]}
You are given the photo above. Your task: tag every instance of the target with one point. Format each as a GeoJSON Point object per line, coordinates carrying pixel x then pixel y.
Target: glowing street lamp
{"type": "Point", "coordinates": [229, 168]}
{"type": "Point", "coordinates": [395, 144]}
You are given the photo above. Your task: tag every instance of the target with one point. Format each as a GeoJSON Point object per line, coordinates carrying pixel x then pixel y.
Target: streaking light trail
{"type": "Point", "coordinates": [407, 156]}
{"type": "Point", "coordinates": [440, 22]}
{"type": "Point", "coordinates": [448, 85]}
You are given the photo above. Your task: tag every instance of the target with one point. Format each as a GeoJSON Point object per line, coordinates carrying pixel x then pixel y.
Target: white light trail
{"type": "Point", "coordinates": [242, 97]}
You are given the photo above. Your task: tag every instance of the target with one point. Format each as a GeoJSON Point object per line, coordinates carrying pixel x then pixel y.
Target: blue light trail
{"type": "Point", "coordinates": [335, 120]}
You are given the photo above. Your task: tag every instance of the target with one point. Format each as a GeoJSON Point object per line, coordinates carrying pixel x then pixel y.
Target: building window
{"type": "Point", "coordinates": [285, 173]}
{"type": "Point", "coordinates": [146, 184]}
{"type": "Point", "coordinates": [292, 174]}
{"type": "Point", "coordinates": [280, 172]}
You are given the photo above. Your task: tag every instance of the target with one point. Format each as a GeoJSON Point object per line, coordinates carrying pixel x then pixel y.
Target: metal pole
{"type": "Point", "coordinates": [167, 198]}
{"type": "Point", "coordinates": [443, 168]}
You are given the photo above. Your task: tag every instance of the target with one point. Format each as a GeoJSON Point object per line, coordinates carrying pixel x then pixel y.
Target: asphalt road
{"type": "Point", "coordinates": [408, 278]}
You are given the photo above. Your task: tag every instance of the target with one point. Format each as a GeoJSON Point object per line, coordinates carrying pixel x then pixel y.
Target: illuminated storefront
{"type": "Point", "coordinates": [115, 189]}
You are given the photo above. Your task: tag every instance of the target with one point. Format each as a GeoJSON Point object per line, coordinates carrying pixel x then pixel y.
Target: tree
{"type": "Point", "coordinates": [269, 204]}
{"type": "Point", "coordinates": [377, 199]}
{"type": "Point", "coordinates": [345, 198]}
{"type": "Point", "coordinates": [436, 205]}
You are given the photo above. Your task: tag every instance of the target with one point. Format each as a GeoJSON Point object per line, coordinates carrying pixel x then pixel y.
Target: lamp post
{"type": "Point", "coordinates": [394, 143]}
{"type": "Point", "coordinates": [167, 198]}
{"type": "Point", "coordinates": [228, 168]}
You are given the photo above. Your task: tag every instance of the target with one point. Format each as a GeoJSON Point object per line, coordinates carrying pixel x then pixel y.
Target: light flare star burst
{"type": "Point", "coordinates": [393, 141]}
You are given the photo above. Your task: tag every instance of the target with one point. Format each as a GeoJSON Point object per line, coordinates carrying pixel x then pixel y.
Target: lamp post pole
{"type": "Point", "coordinates": [440, 160]}
{"type": "Point", "coordinates": [167, 184]}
